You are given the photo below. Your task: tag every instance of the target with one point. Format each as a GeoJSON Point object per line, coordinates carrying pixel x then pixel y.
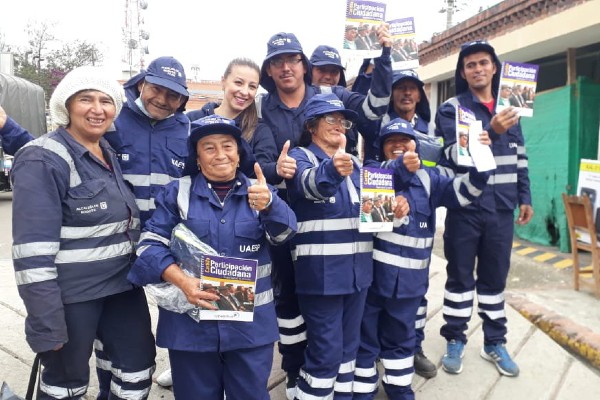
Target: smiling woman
{"type": "Point", "coordinates": [237, 217]}
{"type": "Point", "coordinates": [75, 227]}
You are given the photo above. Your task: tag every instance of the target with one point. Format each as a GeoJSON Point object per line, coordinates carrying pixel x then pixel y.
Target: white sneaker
{"type": "Point", "coordinates": [165, 379]}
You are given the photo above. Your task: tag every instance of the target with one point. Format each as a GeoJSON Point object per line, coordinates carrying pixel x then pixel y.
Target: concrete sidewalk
{"type": "Point", "coordinates": [547, 370]}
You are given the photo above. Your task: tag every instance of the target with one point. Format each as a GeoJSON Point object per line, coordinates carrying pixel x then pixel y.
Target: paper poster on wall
{"type": "Point", "coordinates": [588, 184]}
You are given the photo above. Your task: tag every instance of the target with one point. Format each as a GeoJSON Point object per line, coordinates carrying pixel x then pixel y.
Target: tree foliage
{"type": "Point", "coordinates": [45, 60]}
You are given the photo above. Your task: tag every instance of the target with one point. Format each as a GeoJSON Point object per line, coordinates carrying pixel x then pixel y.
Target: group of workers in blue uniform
{"type": "Point", "coordinates": [327, 273]}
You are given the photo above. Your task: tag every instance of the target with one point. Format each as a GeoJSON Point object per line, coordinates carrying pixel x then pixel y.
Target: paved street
{"type": "Point", "coordinates": [539, 292]}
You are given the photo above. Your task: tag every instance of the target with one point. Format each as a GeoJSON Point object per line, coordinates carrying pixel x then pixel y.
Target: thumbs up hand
{"type": "Point", "coordinates": [259, 195]}
{"type": "Point", "coordinates": [286, 165]}
{"type": "Point", "coordinates": [342, 161]}
{"type": "Point", "coordinates": [411, 159]}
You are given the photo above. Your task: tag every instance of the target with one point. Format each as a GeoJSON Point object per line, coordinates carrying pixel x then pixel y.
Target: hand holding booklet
{"type": "Point", "coordinates": [470, 152]}
{"type": "Point", "coordinates": [377, 199]}
{"type": "Point", "coordinates": [517, 86]}
{"type": "Point", "coordinates": [223, 276]}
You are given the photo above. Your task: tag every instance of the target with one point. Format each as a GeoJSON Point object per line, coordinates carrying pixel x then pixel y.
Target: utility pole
{"type": "Point", "coordinates": [450, 8]}
{"type": "Point", "coordinates": [450, 4]}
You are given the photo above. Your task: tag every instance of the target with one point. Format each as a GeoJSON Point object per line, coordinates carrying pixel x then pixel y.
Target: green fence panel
{"type": "Point", "coordinates": [563, 130]}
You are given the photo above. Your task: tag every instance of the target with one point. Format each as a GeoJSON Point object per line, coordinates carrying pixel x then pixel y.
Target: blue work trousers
{"type": "Point", "coordinates": [484, 238]}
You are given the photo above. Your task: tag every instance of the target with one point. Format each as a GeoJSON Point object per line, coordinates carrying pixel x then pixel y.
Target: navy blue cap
{"type": "Point", "coordinates": [476, 46]}
{"type": "Point", "coordinates": [169, 73]}
{"type": "Point", "coordinates": [397, 126]}
{"type": "Point", "coordinates": [407, 74]}
{"type": "Point", "coordinates": [213, 125]}
{"type": "Point", "coordinates": [282, 43]}
{"type": "Point", "coordinates": [326, 103]}
{"type": "Point", "coordinates": [327, 55]}
{"type": "Point", "coordinates": [469, 48]}
{"type": "Point", "coordinates": [422, 108]}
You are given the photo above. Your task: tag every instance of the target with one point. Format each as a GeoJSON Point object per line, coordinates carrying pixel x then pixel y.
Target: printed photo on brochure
{"type": "Point", "coordinates": [377, 200]}
{"type": "Point", "coordinates": [517, 87]}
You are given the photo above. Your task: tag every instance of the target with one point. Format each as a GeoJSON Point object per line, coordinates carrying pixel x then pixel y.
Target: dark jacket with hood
{"type": "Point", "coordinates": [430, 148]}
{"type": "Point", "coordinates": [508, 186]}
{"type": "Point", "coordinates": [151, 153]}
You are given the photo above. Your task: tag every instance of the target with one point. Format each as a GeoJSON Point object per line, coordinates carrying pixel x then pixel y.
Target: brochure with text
{"type": "Point", "coordinates": [360, 36]}
{"type": "Point", "coordinates": [481, 154]}
{"type": "Point", "coordinates": [464, 118]}
{"type": "Point", "coordinates": [405, 51]}
{"type": "Point", "coordinates": [234, 281]}
{"type": "Point", "coordinates": [377, 200]}
{"type": "Point", "coordinates": [518, 82]}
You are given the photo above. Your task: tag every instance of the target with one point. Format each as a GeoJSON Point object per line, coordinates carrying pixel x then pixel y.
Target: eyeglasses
{"type": "Point", "coordinates": [344, 123]}
{"type": "Point", "coordinates": [279, 61]}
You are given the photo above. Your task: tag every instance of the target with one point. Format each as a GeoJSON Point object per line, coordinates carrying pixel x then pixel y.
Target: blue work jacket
{"type": "Point", "coordinates": [331, 256]}
{"type": "Point", "coordinates": [75, 225]}
{"type": "Point", "coordinates": [233, 229]}
{"type": "Point", "coordinates": [401, 258]}
{"type": "Point", "coordinates": [151, 153]}
{"type": "Point", "coordinates": [508, 186]}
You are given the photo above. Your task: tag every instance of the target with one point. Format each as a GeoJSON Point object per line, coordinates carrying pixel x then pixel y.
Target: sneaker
{"type": "Point", "coordinates": [452, 360]}
{"type": "Point", "coordinates": [423, 366]}
{"type": "Point", "coordinates": [498, 354]}
{"type": "Point", "coordinates": [165, 379]}
{"type": "Point", "coordinates": [290, 384]}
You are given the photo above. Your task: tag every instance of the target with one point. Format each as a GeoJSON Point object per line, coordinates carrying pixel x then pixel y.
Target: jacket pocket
{"type": "Point", "coordinates": [88, 200]}
{"type": "Point", "coordinates": [178, 147]}
{"type": "Point", "coordinates": [200, 228]}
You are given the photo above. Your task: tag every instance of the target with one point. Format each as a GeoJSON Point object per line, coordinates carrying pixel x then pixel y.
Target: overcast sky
{"type": "Point", "coordinates": [207, 34]}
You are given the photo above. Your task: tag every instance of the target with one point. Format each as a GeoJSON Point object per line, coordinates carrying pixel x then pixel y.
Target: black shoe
{"type": "Point", "coordinates": [423, 366]}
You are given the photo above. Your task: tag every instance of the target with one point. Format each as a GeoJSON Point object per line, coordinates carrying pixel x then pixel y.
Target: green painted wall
{"type": "Point", "coordinates": [563, 130]}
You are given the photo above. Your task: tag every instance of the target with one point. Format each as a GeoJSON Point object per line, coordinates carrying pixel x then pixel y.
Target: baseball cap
{"type": "Point", "coordinates": [282, 43]}
{"type": "Point", "coordinates": [423, 105]}
{"type": "Point", "coordinates": [326, 103]}
{"type": "Point", "coordinates": [213, 125]}
{"type": "Point", "coordinates": [397, 126]}
{"type": "Point", "coordinates": [408, 74]}
{"type": "Point", "coordinates": [169, 73]}
{"type": "Point", "coordinates": [327, 55]}
{"type": "Point", "coordinates": [469, 48]}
